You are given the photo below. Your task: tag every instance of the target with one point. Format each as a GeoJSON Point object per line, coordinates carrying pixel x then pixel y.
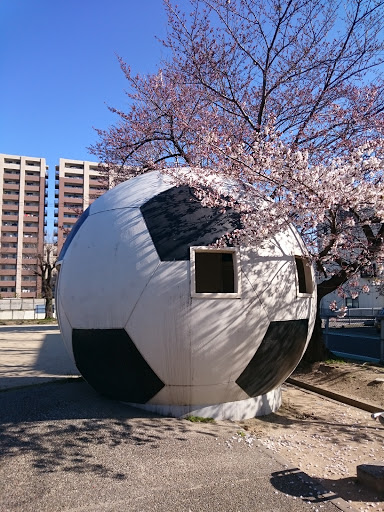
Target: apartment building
{"type": "Point", "coordinates": [77, 184]}
{"type": "Point", "coordinates": [23, 194]}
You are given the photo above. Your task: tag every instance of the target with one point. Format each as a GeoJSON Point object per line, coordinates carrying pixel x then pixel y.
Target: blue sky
{"type": "Point", "coordinates": [58, 69]}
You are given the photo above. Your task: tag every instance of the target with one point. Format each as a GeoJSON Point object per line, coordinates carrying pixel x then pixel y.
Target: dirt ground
{"type": "Point", "coordinates": [325, 439]}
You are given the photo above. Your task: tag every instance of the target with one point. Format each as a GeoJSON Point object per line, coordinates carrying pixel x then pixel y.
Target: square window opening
{"type": "Point", "coordinates": [214, 273]}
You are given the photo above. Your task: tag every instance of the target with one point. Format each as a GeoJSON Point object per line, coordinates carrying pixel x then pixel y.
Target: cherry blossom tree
{"type": "Point", "coordinates": [286, 100]}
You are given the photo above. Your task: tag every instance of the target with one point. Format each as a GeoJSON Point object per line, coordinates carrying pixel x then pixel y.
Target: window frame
{"type": "Point", "coordinates": [236, 272]}
{"type": "Point", "coordinates": [308, 276]}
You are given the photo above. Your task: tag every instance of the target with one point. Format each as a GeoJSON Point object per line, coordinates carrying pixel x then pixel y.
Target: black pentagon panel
{"type": "Point", "coordinates": [276, 358]}
{"type": "Point", "coordinates": [176, 220]}
{"type": "Point", "coordinates": [72, 233]}
{"type": "Point", "coordinates": [110, 362]}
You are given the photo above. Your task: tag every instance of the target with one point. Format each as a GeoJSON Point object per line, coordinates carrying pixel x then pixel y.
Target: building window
{"type": "Point", "coordinates": [73, 176]}
{"type": "Point", "coordinates": [352, 303]}
{"type": "Point", "coordinates": [74, 196]}
{"type": "Point", "coordinates": [215, 273]}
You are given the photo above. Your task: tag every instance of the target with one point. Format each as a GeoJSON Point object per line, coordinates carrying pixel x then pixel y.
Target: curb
{"type": "Point", "coordinates": [334, 396]}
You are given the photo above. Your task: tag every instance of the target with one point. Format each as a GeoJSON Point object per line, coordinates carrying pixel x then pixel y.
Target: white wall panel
{"type": "Point", "coordinates": [132, 193]}
{"type": "Point", "coordinates": [160, 323]}
{"type": "Point", "coordinates": [225, 336]}
{"type": "Point", "coordinates": [195, 341]}
{"type": "Point", "coordinates": [100, 292]}
{"type": "Point", "coordinates": [202, 395]}
{"type": "Point", "coordinates": [65, 327]}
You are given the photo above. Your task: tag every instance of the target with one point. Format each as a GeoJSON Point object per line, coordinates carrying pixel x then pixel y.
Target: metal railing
{"type": "Point", "coordinates": [355, 335]}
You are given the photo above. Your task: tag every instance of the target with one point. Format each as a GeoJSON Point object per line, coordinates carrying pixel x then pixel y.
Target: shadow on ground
{"type": "Point", "coordinates": [63, 426]}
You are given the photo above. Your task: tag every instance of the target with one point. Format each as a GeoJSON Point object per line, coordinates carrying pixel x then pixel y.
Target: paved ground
{"type": "Point", "coordinates": [32, 354]}
{"type": "Point", "coordinates": [64, 448]}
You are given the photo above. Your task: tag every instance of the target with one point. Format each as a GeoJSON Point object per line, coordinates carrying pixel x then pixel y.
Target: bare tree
{"type": "Point", "coordinates": [45, 269]}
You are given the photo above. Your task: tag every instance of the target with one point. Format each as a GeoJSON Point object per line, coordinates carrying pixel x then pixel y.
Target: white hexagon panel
{"type": "Point", "coordinates": [153, 314]}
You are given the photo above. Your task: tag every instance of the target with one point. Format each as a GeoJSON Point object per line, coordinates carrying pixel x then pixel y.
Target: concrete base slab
{"type": "Point", "coordinates": [236, 411]}
{"type": "Point", "coordinates": [372, 476]}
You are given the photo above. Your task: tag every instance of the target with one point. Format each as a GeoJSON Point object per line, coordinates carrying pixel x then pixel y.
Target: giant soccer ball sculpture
{"type": "Point", "coordinates": [155, 316]}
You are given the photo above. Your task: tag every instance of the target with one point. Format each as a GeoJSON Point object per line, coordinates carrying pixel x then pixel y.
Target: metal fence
{"type": "Point", "coordinates": [355, 335]}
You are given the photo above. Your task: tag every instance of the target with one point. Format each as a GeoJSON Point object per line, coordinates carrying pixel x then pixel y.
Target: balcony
{"type": "Point", "coordinates": [31, 238]}
{"type": "Point", "coordinates": [7, 282]}
{"type": "Point", "coordinates": [9, 237]}
{"type": "Point", "coordinates": [10, 216]}
{"type": "Point", "coordinates": [73, 181]}
{"type": "Point", "coordinates": [11, 195]}
{"type": "Point", "coordinates": [72, 199]}
{"type": "Point", "coordinates": [10, 228]}
{"type": "Point", "coordinates": [32, 206]}
{"type": "Point", "coordinates": [32, 177]}
{"type": "Point", "coordinates": [10, 207]}
{"type": "Point", "coordinates": [32, 164]}
{"type": "Point", "coordinates": [11, 185]}
{"type": "Point", "coordinates": [33, 227]}
{"type": "Point", "coordinates": [29, 259]}
{"type": "Point", "coordinates": [12, 163]}
{"type": "Point", "coordinates": [32, 188]}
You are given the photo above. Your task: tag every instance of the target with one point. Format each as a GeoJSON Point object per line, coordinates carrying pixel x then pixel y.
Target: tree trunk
{"type": "Point", "coordinates": [48, 307]}
{"type": "Point", "coordinates": [316, 350]}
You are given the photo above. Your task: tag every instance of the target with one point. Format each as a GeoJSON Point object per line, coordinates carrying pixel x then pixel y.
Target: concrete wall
{"type": "Point", "coordinates": [22, 309]}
